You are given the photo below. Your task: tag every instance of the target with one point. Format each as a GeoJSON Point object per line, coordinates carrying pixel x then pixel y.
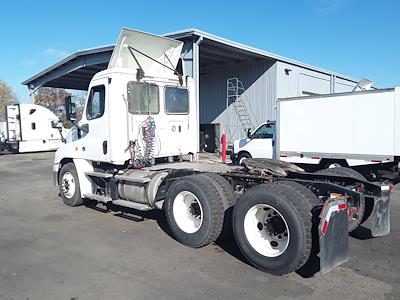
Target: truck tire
{"type": "Point", "coordinates": [194, 210]}
{"type": "Point", "coordinates": [68, 183]}
{"type": "Point", "coordinates": [353, 222]}
{"type": "Point", "coordinates": [229, 196]}
{"type": "Point", "coordinates": [242, 156]}
{"type": "Point", "coordinates": [330, 164]}
{"type": "Point", "coordinates": [306, 193]}
{"type": "Point", "coordinates": [229, 199]}
{"type": "Point", "coordinates": [272, 226]}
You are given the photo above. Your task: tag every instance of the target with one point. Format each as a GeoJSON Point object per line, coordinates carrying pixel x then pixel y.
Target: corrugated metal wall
{"type": "Point", "coordinates": [294, 81]}
{"type": "Point", "coordinates": [342, 85]}
{"type": "Point", "coordinates": [259, 80]}
{"type": "Point", "coordinates": [265, 82]}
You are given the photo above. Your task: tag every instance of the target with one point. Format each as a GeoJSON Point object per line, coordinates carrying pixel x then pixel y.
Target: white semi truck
{"type": "Point", "coordinates": [356, 129]}
{"type": "Point", "coordinates": [30, 128]}
{"type": "Point", "coordinates": [141, 120]}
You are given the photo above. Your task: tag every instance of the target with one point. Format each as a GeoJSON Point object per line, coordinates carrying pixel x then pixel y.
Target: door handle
{"type": "Point", "coordinates": [105, 147]}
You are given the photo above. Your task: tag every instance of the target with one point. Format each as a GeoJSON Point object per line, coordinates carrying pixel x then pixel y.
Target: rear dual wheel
{"type": "Point", "coordinates": [355, 213]}
{"type": "Point", "coordinates": [272, 226]}
{"type": "Point", "coordinates": [194, 209]}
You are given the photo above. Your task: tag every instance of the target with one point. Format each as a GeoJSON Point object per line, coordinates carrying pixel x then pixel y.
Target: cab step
{"type": "Point", "coordinates": [120, 202]}
{"type": "Point", "coordinates": [100, 198]}
{"type": "Point", "coordinates": [99, 174]}
{"type": "Point", "coordinates": [134, 205]}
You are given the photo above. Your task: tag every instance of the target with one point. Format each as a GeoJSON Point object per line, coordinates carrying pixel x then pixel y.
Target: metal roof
{"type": "Point", "coordinates": [250, 50]}
{"type": "Point", "coordinates": [76, 70]}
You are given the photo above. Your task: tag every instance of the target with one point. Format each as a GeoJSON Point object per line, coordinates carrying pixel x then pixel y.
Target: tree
{"type": "Point", "coordinates": [52, 99]}
{"type": "Point", "coordinates": [7, 97]}
{"type": "Point", "coordinates": [80, 98]}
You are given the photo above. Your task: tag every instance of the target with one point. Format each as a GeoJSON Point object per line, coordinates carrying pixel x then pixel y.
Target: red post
{"type": "Point", "coordinates": [223, 142]}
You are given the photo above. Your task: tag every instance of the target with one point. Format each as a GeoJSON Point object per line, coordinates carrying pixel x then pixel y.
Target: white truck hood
{"type": "Point", "coordinates": [164, 50]}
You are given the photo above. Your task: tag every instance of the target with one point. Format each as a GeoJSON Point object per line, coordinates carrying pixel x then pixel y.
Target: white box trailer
{"type": "Point", "coordinates": [30, 128]}
{"type": "Point", "coordinates": [356, 129]}
{"type": "Point", "coordinates": [352, 129]}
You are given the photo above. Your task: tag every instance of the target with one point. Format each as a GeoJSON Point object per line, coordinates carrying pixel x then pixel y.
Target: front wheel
{"type": "Point", "coordinates": [272, 226]}
{"type": "Point", "coordinates": [68, 183]}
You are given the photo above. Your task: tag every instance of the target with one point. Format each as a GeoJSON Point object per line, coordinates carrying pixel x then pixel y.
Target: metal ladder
{"type": "Point", "coordinates": [236, 96]}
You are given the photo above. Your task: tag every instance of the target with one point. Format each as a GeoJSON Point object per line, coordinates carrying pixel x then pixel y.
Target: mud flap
{"type": "Point", "coordinates": [333, 235]}
{"type": "Point", "coordinates": [380, 223]}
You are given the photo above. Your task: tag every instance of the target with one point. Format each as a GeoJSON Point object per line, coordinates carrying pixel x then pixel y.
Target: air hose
{"type": "Point", "coordinates": [145, 146]}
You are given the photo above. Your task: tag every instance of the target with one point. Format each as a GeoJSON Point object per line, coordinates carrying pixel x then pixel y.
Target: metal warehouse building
{"type": "Point", "coordinates": [236, 85]}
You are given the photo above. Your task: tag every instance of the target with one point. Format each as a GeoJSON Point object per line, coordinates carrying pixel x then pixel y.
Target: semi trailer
{"type": "Point", "coordinates": [30, 128]}
{"type": "Point", "coordinates": [137, 148]}
{"type": "Point", "coordinates": [360, 130]}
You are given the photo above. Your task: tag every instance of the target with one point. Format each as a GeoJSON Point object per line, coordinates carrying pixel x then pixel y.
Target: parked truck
{"type": "Point", "coordinates": [356, 129]}
{"type": "Point", "coordinates": [137, 146]}
{"type": "Point", "coordinates": [30, 128]}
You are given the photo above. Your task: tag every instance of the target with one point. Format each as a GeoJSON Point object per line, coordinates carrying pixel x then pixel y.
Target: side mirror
{"type": "Point", "coordinates": [248, 133]}
{"type": "Point", "coordinates": [56, 124]}
{"type": "Point", "coordinates": [70, 108]}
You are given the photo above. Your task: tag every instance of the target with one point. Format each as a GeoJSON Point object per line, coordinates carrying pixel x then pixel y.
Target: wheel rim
{"type": "Point", "coordinates": [188, 212]}
{"type": "Point", "coordinates": [266, 230]}
{"type": "Point", "coordinates": [68, 185]}
{"type": "Point", "coordinates": [242, 159]}
{"type": "Point", "coordinates": [334, 165]}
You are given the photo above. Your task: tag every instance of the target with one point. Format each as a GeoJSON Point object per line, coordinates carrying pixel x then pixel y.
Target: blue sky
{"type": "Point", "coordinates": [352, 37]}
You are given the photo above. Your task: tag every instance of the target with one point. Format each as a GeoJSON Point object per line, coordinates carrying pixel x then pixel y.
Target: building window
{"type": "Point", "coordinates": [143, 98]}
{"type": "Point", "coordinates": [33, 126]}
{"type": "Point", "coordinates": [176, 100]}
{"type": "Point", "coordinates": [96, 102]}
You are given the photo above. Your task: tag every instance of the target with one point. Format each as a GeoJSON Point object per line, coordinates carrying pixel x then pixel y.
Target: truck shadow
{"type": "Point", "coordinates": [226, 241]}
{"type": "Point", "coordinates": [312, 265]}
{"type": "Point", "coordinates": [362, 233]}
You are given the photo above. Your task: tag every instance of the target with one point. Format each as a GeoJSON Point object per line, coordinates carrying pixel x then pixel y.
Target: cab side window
{"type": "Point", "coordinates": [264, 132]}
{"type": "Point", "coordinates": [176, 100]}
{"type": "Point", "coordinates": [96, 102]}
{"type": "Point", "coordinates": [143, 98]}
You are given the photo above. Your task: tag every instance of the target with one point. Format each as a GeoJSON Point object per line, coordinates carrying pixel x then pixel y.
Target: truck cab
{"type": "Point", "coordinates": [259, 144]}
{"type": "Point", "coordinates": [139, 110]}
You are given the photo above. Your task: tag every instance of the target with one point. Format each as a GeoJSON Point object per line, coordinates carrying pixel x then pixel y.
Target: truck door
{"type": "Point", "coordinates": [94, 123]}
{"type": "Point", "coordinates": [262, 142]}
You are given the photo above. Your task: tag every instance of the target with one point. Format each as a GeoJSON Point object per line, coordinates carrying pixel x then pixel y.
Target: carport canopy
{"type": "Point", "coordinates": [73, 72]}
{"type": "Point", "coordinates": [76, 71]}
